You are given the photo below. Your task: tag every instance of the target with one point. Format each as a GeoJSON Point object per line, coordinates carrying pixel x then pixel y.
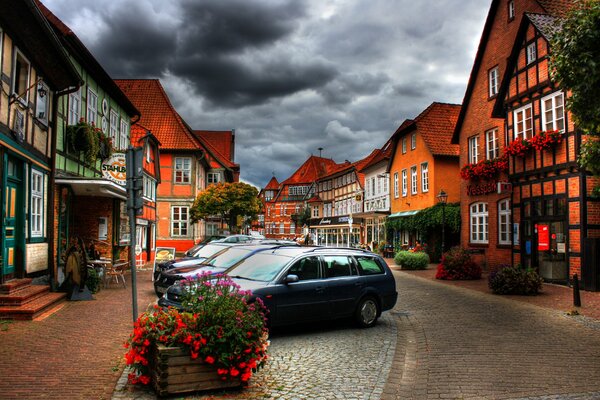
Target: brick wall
{"type": "Point", "coordinates": [87, 211]}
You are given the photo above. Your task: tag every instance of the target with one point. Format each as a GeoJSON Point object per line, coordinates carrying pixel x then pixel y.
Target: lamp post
{"type": "Point", "coordinates": [442, 198]}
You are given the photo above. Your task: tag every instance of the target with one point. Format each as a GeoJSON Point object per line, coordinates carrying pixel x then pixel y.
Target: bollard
{"type": "Point", "coordinates": [576, 296]}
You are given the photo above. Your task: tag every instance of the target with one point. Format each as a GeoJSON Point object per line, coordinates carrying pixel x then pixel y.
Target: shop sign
{"type": "Point", "coordinates": [325, 222]}
{"type": "Point", "coordinates": [504, 187]}
{"type": "Point", "coordinates": [484, 188]}
{"type": "Point", "coordinates": [114, 169]}
{"type": "Point", "coordinates": [543, 237]}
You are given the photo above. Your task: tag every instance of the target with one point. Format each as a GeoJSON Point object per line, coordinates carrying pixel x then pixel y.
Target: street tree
{"type": "Point", "coordinates": [228, 200]}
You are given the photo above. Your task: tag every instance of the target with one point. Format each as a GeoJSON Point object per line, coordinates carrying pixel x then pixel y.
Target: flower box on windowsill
{"type": "Point", "coordinates": [174, 371]}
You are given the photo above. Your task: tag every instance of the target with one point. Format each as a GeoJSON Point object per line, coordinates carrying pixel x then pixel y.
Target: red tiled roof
{"type": "Point", "coordinates": [273, 184]}
{"type": "Point", "coordinates": [216, 159]}
{"type": "Point", "coordinates": [312, 169]}
{"type": "Point", "coordinates": [436, 125]}
{"type": "Point", "coordinates": [222, 141]}
{"type": "Point", "coordinates": [557, 8]}
{"type": "Point", "coordinates": [158, 114]}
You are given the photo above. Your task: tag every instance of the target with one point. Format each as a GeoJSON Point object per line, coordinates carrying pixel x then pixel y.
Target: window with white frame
{"type": "Point", "coordinates": [292, 228]}
{"type": "Point", "coordinates": [373, 192]}
{"type": "Point", "coordinates": [511, 10]}
{"type": "Point", "coordinates": [114, 127]}
{"type": "Point", "coordinates": [179, 221]}
{"type": "Point", "coordinates": [281, 228]}
{"type": "Point", "coordinates": [413, 141]}
{"type": "Point", "coordinates": [385, 179]}
{"type": "Point", "coordinates": [315, 212]}
{"type": "Point", "coordinates": [474, 149]}
{"type": "Point", "coordinates": [20, 83]}
{"type": "Point", "coordinates": [42, 103]}
{"type": "Point", "coordinates": [424, 177]}
{"type": "Point", "coordinates": [74, 107]}
{"type": "Point", "coordinates": [183, 169]}
{"type": "Point", "coordinates": [413, 180]}
{"type": "Point", "coordinates": [504, 221]}
{"type": "Point", "coordinates": [213, 177]}
{"type": "Point", "coordinates": [531, 53]}
{"type": "Point", "coordinates": [493, 81]}
{"type": "Point", "coordinates": [149, 189]}
{"type": "Point", "coordinates": [491, 143]}
{"type": "Point", "coordinates": [403, 145]}
{"type": "Point", "coordinates": [523, 122]}
{"type": "Point", "coordinates": [404, 183]}
{"type": "Point", "coordinates": [92, 107]}
{"type": "Point", "coordinates": [396, 192]}
{"type": "Point", "coordinates": [553, 112]}
{"type": "Point", "coordinates": [124, 137]}
{"type": "Point", "coordinates": [282, 209]}
{"type": "Point", "coordinates": [37, 204]}
{"type": "Point", "coordinates": [479, 223]}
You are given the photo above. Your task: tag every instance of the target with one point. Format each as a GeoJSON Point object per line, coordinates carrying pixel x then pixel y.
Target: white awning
{"type": "Point", "coordinates": [94, 187]}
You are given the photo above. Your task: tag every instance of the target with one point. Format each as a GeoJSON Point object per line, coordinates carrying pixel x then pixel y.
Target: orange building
{"type": "Point", "coordinates": [423, 163]}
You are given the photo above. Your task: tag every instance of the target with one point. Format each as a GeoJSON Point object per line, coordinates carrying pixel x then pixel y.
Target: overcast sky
{"type": "Point", "coordinates": [289, 76]}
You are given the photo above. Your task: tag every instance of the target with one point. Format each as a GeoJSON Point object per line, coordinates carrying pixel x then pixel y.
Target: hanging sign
{"type": "Point", "coordinates": [114, 169]}
{"type": "Point", "coordinates": [543, 237]}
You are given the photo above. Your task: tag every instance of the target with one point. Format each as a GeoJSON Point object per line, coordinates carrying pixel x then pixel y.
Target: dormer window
{"type": "Point", "coordinates": [531, 53]}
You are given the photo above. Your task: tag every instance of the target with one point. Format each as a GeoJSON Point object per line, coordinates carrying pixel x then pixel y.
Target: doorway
{"type": "Point", "coordinates": [13, 242]}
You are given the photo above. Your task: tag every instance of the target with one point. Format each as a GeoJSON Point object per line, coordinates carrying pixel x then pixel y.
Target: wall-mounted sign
{"type": "Point", "coordinates": [114, 169]}
{"type": "Point", "coordinates": [504, 187]}
{"type": "Point", "coordinates": [543, 237]}
{"type": "Point", "coordinates": [484, 188]}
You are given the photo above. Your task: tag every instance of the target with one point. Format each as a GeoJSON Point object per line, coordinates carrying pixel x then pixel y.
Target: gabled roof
{"type": "Point", "coordinates": [222, 141]}
{"type": "Point", "coordinates": [138, 135]}
{"type": "Point", "coordinates": [547, 25]}
{"type": "Point", "coordinates": [312, 169]}
{"type": "Point", "coordinates": [552, 7]}
{"type": "Point", "coordinates": [24, 22]}
{"type": "Point", "coordinates": [158, 114]}
{"type": "Point", "coordinates": [217, 160]}
{"type": "Point", "coordinates": [77, 50]}
{"type": "Point", "coordinates": [273, 184]}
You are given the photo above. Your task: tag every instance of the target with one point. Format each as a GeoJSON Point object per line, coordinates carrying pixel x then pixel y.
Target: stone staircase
{"type": "Point", "coordinates": [21, 300]}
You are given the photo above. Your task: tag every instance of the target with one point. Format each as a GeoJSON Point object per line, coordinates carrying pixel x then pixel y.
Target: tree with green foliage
{"type": "Point", "coordinates": [228, 200]}
{"type": "Point", "coordinates": [575, 65]}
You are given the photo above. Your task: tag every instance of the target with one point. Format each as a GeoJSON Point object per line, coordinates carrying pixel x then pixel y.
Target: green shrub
{"type": "Point", "coordinates": [411, 261]}
{"type": "Point", "coordinates": [93, 280]}
{"type": "Point", "coordinates": [457, 264]}
{"type": "Point", "coordinates": [515, 280]}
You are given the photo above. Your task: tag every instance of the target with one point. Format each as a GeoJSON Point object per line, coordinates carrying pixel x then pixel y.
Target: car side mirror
{"type": "Point", "coordinates": [291, 279]}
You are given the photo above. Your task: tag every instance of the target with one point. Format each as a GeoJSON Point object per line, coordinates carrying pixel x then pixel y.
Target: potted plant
{"type": "Point", "coordinates": [220, 341]}
{"type": "Point", "coordinates": [83, 137]}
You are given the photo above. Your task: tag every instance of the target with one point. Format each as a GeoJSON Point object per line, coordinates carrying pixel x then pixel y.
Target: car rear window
{"type": "Point", "coordinates": [336, 266]}
{"type": "Point", "coordinates": [369, 266]}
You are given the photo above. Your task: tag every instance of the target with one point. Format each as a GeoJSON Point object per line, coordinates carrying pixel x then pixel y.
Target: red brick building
{"type": "Point", "coordinates": [550, 200]}
{"type": "Point", "coordinates": [266, 195]}
{"type": "Point", "coordinates": [487, 228]}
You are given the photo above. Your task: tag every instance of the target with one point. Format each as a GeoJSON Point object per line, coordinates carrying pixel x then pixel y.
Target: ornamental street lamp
{"type": "Point", "coordinates": [442, 198]}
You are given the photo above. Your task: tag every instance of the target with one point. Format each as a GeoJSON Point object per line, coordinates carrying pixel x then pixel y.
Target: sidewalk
{"type": "Point", "coordinates": [553, 296]}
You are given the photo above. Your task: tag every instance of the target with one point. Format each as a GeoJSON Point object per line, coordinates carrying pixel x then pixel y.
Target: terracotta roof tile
{"type": "Point", "coordinates": [557, 8]}
{"type": "Point", "coordinates": [546, 24]}
{"type": "Point", "coordinates": [273, 184]}
{"type": "Point", "coordinates": [222, 141]}
{"type": "Point", "coordinates": [215, 158]}
{"type": "Point", "coordinates": [312, 169]}
{"type": "Point", "coordinates": [436, 125]}
{"type": "Point", "coordinates": [158, 114]}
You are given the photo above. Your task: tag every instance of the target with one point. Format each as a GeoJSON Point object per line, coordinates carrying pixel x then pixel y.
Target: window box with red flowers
{"type": "Point", "coordinates": [544, 140]}
{"type": "Point", "coordinates": [485, 169]}
{"type": "Point", "coordinates": [220, 342]}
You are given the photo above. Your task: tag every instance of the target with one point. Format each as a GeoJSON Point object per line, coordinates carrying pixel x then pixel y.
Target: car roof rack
{"type": "Point", "coordinates": [323, 248]}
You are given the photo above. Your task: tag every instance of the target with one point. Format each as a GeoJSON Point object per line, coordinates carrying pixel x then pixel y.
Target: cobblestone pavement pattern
{"type": "Point", "coordinates": [461, 344]}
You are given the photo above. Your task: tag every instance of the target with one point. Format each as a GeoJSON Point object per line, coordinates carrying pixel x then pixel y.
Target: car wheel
{"type": "Point", "coordinates": [367, 312]}
{"type": "Point", "coordinates": [159, 294]}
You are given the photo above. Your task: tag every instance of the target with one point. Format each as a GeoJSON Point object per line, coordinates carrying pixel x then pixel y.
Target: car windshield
{"type": "Point", "coordinates": [209, 250]}
{"type": "Point", "coordinates": [259, 267]}
{"type": "Point", "coordinates": [228, 258]}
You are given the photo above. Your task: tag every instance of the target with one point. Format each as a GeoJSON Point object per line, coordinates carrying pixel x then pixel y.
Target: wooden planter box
{"type": "Point", "coordinates": [173, 371]}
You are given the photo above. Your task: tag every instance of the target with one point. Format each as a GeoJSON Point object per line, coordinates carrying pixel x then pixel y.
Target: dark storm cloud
{"type": "Point", "coordinates": [216, 26]}
{"type": "Point", "coordinates": [347, 87]}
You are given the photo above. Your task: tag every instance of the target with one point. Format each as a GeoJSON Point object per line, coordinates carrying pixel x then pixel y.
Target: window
{"type": "Point", "coordinates": [511, 10]}
{"type": "Point", "coordinates": [92, 107]}
{"type": "Point", "coordinates": [21, 69]}
{"type": "Point", "coordinates": [531, 53]}
{"type": "Point", "coordinates": [282, 209]}
{"type": "Point", "coordinates": [114, 122]}
{"type": "Point", "coordinates": [292, 228]}
{"type": "Point", "coordinates": [124, 137]}
{"type": "Point", "coordinates": [424, 177]}
{"type": "Point", "coordinates": [179, 221]}
{"type": "Point", "coordinates": [368, 266]}
{"type": "Point", "coordinates": [493, 81]}
{"type": "Point", "coordinates": [37, 203]}
{"type": "Point", "coordinates": [404, 183]}
{"type": "Point", "coordinates": [491, 143]}
{"type": "Point", "coordinates": [74, 107]}
{"type": "Point", "coordinates": [413, 141]}
{"type": "Point", "coordinates": [306, 269]}
{"type": "Point", "coordinates": [337, 266]}
{"type": "Point", "coordinates": [315, 212]}
{"type": "Point", "coordinates": [473, 149]}
{"type": "Point", "coordinates": [413, 180]}
{"type": "Point", "coordinates": [523, 122]}
{"type": "Point", "coordinates": [149, 189]}
{"type": "Point", "coordinates": [504, 222]}
{"type": "Point", "coordinates": [281, 228]}
{"type": "Point", "coordinates": [403, 145]}
{"type": "Point", "coordinates": [396, 184]}
{"type": "Point", "coordinates": [213, 177]}
{"type": "Point", "coordinates": [183, 170]}
{"type": "Point", "coordinates": [373, 192]}
{"type": "Point", "coordinates": [553, 112]}
{"type": "Point", "coordinates": [41, 103]}
{"type": "Point", "coordinates": [479, 223]}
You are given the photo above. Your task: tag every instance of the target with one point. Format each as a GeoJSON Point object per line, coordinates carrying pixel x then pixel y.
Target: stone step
{"type": "Point", "coordinates": [33, 308]}
{"type": "Point", "coordinates": [14, 285]}
{"type": "Point", "coordinates": [23, 295]}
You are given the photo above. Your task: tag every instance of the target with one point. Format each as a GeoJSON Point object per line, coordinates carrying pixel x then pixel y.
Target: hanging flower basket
{"type": "Point", "coordinates": [106, 149]}
{"type": "Point", "coordinates": [83, 138]}
{"type": "Point", "coordinates": [485, 169]}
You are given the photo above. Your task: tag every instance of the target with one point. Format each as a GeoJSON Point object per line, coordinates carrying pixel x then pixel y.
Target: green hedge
{"type": "Point", "coordinates": [515, 280]}
{"type": "Point", "coordinates": [412, 261]}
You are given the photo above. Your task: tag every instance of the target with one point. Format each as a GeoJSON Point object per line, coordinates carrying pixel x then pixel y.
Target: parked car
{"type": "Point", "coordinates": [194, 249]}
{"type": "Point", "coordinates": [305, 284]}
{"type": "Point", "coordinates": [236, 239]}
{"type": "Point", "coordinates": [195, 258]}
{"type": "Point", "coordinates": [229, 256]}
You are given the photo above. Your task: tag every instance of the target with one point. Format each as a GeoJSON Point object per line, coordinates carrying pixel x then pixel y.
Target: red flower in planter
{"type": "Point", "coordinates": [518, 147]}
{"type": "Point", "coordinates": [485, 169]}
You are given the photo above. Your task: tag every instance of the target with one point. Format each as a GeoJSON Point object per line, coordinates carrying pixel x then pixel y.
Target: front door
{"type": "Point", "coordinates": [13, 245]}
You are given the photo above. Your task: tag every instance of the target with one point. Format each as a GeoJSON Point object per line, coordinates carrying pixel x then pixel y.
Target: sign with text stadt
{"type": "Point", "coordinates": [114, 169]}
